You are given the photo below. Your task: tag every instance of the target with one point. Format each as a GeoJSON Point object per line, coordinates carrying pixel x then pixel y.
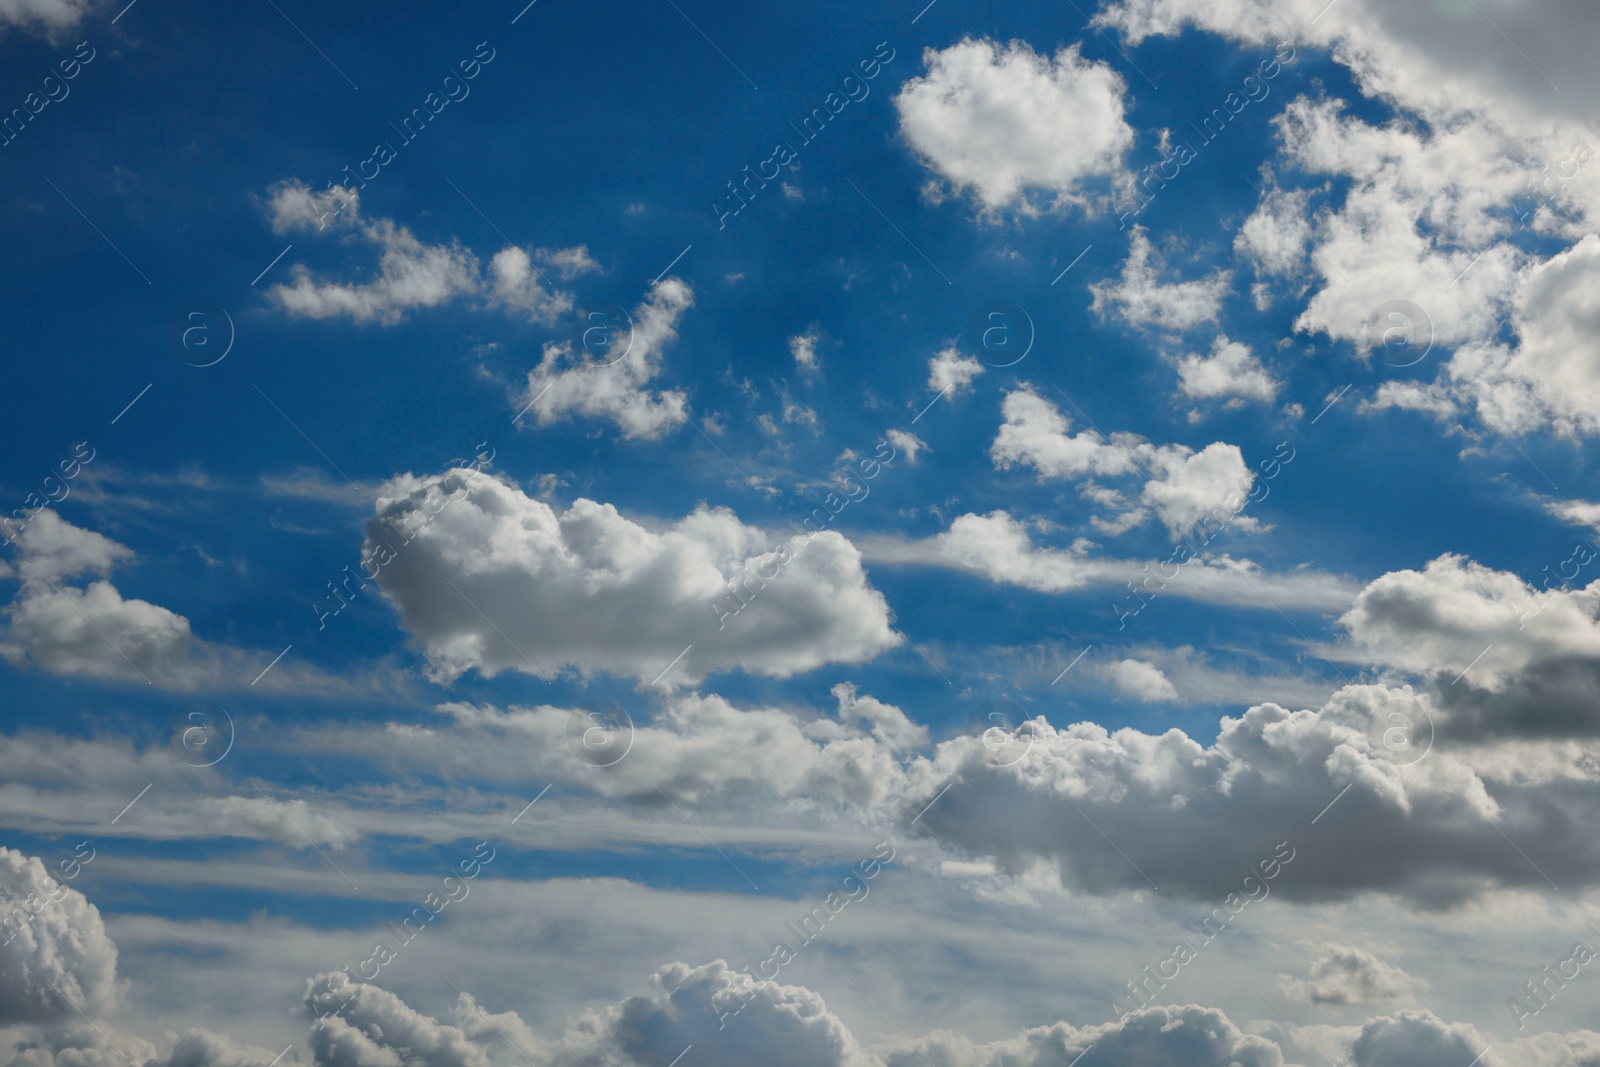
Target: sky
{"type": "Point", "coordinates": [681, 534]}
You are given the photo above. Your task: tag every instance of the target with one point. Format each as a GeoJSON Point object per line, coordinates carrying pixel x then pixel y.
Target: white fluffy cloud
{"type": "Point", "coordinates": [951, 370]}
{"type": "Point", "coordinates": [1001, 120]}
{"type": "Point", "coordinates": [55, 957]}
{"type": "Point", "coordinates": [1231, 370]}
{"type": "Point", "coordinates": [1182, 486]}
{"type": "Point", "coordinates": [411, 274]}
{"type": "Point", "coordinates": [494, 580]}
{"type": "Point", "coordinates": [96, 632]}
{"type": "Point", "coordinates": [1141, 680]}
{"type": "Point", "coordinates": [1140, 298]}
{"type": "Point", "coordinates": [566, 382]}
{"type": "Point", "coordinates": [803, 347]}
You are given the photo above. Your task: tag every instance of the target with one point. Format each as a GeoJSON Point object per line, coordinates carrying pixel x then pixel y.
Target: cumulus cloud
{"type": "Point", "coordinates": [908, 443]}
{"type": "Point", "coordinates": [1141, 299]}
{"type": "Point", "coordinates": [953, 371]}
{"type": "Point", "coordinates": [362, 1025]}
{"type": "Point", "coordinates": [1194, 819]}
{"type": "Point", "coordinates": [1001, 120]}
{"type": "Point", "coordinates": [566, 382]}
{"type": "Point", "coordinates": [1231, 370]}
{"type": "Point", "coordinates": [96, 632]}
{"type": "Point", "coordinates": [488, 578]}
{"type": "Point", "coordinates": [411, 273]}
{"type": "Point", "coordinates": [55, 957]}
{"type": "Point", "coordinates": [1345, 975]}
{"type": "Point", "coordinates": [1415, 1039]}
{"type": "Point", "coordinates": [1182, 486]}
{"type": "Point", "coordinates": [1141, 680]}
{"type": "Point", "coordinates": [1506, 658]}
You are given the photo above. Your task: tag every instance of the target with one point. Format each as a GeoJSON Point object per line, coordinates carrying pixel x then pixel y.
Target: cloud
{"type": "Point", "coordinates": [1141, 299]}
{"type": "Point", "coordinates": [492, 580]}
{"type": "Point", "coordinates": [1001, 120]}
{"type": "Point", "coordinates": [1231, 370]}
{"type": "Point", "coordinates": [411, 274]}
{"type": "Point", "coordinates": [515, 284]}
{"type": "Point", "coordinates": [1182, 487]}
{"type": "Point", "coordinates": [953, 371]}
{"type": "Point", "coordinates": [55, 957]}
{"type": "Point", "coordinates": [1415, 1039]}
{"type": "Point", "coordinates": [1506, 659]}
{"type": "Point", "coordinates": [1345, 975]}
{"type": "Point", "coordinates": [803, 347]}
{"type": "Point", "coordinates": [567, 383]}
{"type": "Point", "coordinates": [998, 547]}
{"type": "Point", "coordinates": [361, 1025]}
{"type": "Point", "coordinates": [1195, 819]}
{"type": "Point", "coordinates": [47, 18]}
{"type": "Point", "coordinates": [1142, 681]}
{"type": "Point", "coordinates": [96, 632]}
{"type": "Point", "coordinates": [909, 443]}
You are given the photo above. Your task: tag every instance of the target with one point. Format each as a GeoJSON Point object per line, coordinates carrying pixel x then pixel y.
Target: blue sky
{"type": "Point", "coordinates": [952, 388]}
